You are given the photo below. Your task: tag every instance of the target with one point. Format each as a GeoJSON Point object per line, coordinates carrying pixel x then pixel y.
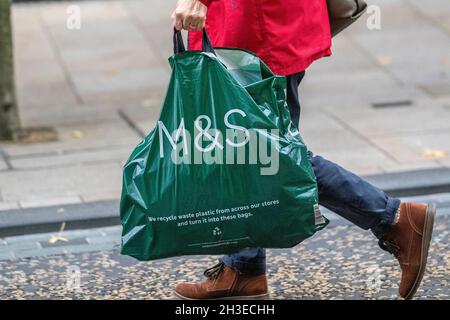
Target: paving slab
{"type": "Point", "coordinates": [161, 11]}
{"type": "Point", "coordinates": [437, 89]}
{"type": "Point", "coordinates": [335, 141]}
{"type": "Point", "coordinates": [155, 27]}
{"type": "Point", "coordinates": [143, 118]}
{"type": "Point", "coordinates": [79, 137]}
{"type": "Point", "coordinates": [43, 84]}
{"type": "Point", "coordinates": [71, 218]}
{"type": "Point", "coordinates": [127, 79]}
{"type": "Point", "coordinates": [363, 161]}
{"type": "Point", "coordinates": [70, 114]}
{"type": "Point", "coordinates": [418, 118]}
{"type": "Point", "coordinates": [437, 13]}
{"type": "Point", "coordinates": [440, 8]}
{"type": "Point", "coordinates": [112, 154]}
{"type": "Point", "coordinates": [90, 197]}
{"type": "Point", "coordinates": [68, 235]}
{"type": "Point", "coordinates": [339, 63]}
{"type": "Point", "coordinates": [445, 162]}
{"type": "Point", "coordinates": [60, 182]}
{"type": "Point", "coordinates": [416, 147]}
{"type": "Point", "coordinates": [91, 11]}
{"type": "Point", "coordinates": [416, 182]}
{"type": "Point", "coordinates": [10, 205]}
{"type": "Point", "coordinates": [3, 165]}
{"type": "Point", "coordinates": [19, 246]}
{"type": "Point", "coordinates": [417, 49]}
{"type": "Point", "coordinates": [46, 202]}
{"type": "Point", "coordinates": [30, 39]}
{"type": "Point", "coordinates": [362, 95]}
{"type": "Point", "coordinates": [408, 166]}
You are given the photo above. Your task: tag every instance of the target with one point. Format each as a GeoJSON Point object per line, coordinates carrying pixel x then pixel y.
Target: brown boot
{"type": "Point", "coordinates": [409, 240]}
{"type": "Point", "coordinates": [224, 283]}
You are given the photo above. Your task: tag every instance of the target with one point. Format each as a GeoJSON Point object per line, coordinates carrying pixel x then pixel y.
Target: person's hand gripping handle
{"type": "Point", "coordinates": [189, 15]}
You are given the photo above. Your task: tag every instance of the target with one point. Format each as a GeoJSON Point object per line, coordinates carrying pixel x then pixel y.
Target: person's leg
{"type": "Point", "coordinates": [342, 191]}
{"type": "Point", "coordinates": [339, 190]}
{"type": "Point", "coordinates": [292, 98]}
{"type": "Point", "coordinates": [251, 261]}
{"type": "Point", "coordinates": [354, 198]}
{"type": "Point", "coordinates": [403, 229]}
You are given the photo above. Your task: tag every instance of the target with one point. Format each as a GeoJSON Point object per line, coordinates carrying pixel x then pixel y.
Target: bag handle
{"type": "Point", "coordinates": [206, 43]}
{"type": "Point", "coordinates": [178, 45]}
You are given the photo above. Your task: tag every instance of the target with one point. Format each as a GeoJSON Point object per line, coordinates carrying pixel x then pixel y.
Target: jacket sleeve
{"type": "Point", "coordinates": [207, 2]}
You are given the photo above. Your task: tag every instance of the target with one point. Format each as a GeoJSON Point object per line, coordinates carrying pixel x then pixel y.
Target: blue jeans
{"type": "Point", "coordinates": [341, 191]}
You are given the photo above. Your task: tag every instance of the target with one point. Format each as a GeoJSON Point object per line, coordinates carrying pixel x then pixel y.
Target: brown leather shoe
{"type": "Point", "coordinates": [409, 240]}
{"type": "Point", "coordinates": [224, 283]}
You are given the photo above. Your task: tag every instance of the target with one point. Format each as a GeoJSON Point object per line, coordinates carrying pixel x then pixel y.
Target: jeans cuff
{"type": "Point", "coordinates": [388, 218]}
{"type": "Point", "coordinates": [253, 268]}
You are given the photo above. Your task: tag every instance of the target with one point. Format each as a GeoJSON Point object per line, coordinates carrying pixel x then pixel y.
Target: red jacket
{"type": "Point", "coordinates": [288, 35]}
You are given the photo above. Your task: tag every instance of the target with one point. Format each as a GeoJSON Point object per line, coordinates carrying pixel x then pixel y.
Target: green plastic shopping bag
{"type": "Point", "coordinates": [224, 169]}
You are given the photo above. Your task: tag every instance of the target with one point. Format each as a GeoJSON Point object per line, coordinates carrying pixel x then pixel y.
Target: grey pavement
{"type": "Point", "coordinates": [380, 104]}
{"type": "Point", "coordinates": [88, 239]}
{"type": "Point", "coordinates": [340, 262]}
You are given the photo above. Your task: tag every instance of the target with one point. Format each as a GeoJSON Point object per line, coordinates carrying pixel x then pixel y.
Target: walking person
{"type": "Point", "coordinates": [289, 35]}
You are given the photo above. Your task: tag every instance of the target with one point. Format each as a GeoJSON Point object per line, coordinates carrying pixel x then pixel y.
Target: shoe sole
{"type": "Point", "coordinates": [426, 240]}
{"type": "Point", "coordinates": [255, 297]}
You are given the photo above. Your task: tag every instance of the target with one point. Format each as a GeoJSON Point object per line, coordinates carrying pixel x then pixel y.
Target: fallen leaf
{"type": "Point", "coordinates": [55, 239]}
{"type": "Point", "coordinates": [435, 154]}
{"type": "Point", "coordinates": [384, 60]}
{"type": "Point", "coordinates": [446, 61]}
{"type": "Point", "coordinates": [110, 72]}
{"type": "Point", "coordinates": [147, 103]}
{"type": "Point", "coordinates": [77, 134]}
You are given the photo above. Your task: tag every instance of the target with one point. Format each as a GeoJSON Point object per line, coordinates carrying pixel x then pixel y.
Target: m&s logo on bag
{"type": "Point", "coordinates": [237, 145]}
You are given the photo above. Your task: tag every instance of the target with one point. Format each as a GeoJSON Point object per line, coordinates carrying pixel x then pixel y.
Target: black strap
{"type": "Point", "coordinates": [206, 43]}
{"type": "Point", "coordinates": [178, 45]}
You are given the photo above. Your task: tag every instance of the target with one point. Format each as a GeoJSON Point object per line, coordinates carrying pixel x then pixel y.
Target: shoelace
{"type": "Point", "coordinates": [390, 247]}
{"type": "Point", "coordinates": [214, 271]}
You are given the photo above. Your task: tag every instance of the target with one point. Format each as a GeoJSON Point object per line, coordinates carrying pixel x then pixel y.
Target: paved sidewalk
{"type": "Point", "coordinates": [380, 104]}
{"type": "Point", "coordinates": [43, 244]}
{"type": "Point", "coordinates": [340, 262]}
